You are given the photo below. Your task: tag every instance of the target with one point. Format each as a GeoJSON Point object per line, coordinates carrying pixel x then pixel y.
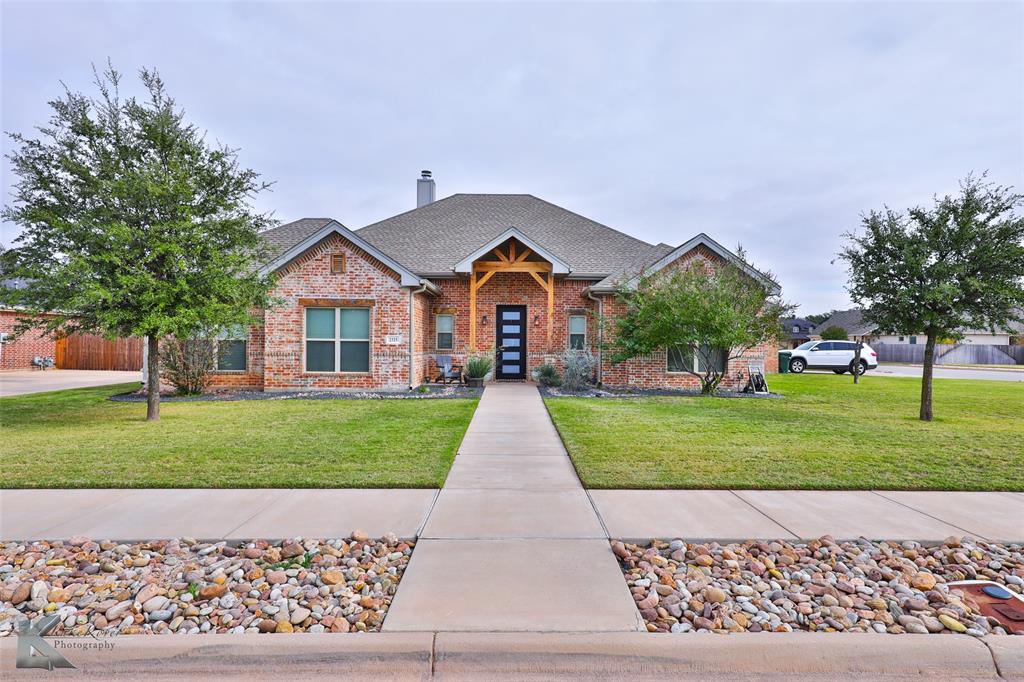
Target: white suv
{"type": "Point", "coordinates": [834, 355]}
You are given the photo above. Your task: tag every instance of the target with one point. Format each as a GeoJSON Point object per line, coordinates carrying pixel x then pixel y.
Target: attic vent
{"type": "Point", "coordinates": [337, 263]}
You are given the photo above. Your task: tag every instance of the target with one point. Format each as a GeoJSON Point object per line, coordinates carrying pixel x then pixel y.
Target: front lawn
{"type": "Point", "coordinates": [77, 438]}
{"type": "Point", "coordinates": [825, 433]}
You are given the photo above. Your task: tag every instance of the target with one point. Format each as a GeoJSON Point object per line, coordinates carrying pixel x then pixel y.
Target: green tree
{"type": "Point", "coordinates": [939, 270]}
{"type": "Point", "coordinates": [132, 224]}
{"type": "Point", "coordinates": [715, 312]}
{"type": "Point", "coordinates": [834, 333]}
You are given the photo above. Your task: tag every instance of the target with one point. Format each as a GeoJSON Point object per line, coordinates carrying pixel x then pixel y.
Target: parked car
{"type": "Point", "coordinates": [834, 355]}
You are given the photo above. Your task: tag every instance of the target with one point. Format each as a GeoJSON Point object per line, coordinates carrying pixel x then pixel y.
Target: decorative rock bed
{"type": "Point", "coordinates": [184, 586]}
{"type": "Point", "coordinates": [822, 585]}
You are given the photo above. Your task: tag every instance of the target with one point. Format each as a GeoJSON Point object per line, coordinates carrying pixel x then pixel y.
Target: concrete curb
{"type": "Point", "coordinates": [532, 656]}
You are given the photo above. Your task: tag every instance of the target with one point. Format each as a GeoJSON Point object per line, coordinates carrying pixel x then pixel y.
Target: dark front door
{"type": "Point", "coordinates": [511, 342]}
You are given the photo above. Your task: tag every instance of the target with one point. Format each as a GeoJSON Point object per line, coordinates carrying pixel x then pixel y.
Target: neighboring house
{"type": "Point", "coordinates": [860, 330]}
{"type": "Point", "coordinates": [797, 330]}
{"type": "Point", "coordinates": [508, 274]}
{"type": "Point", "coordinates": [77, 351]}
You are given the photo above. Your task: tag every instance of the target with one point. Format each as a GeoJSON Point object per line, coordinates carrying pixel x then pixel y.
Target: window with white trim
{"type": "Point", "coordinates": [231, 349]}
{"type": "Point", "coordinates": [578, 332]}
{"type": "Point", "coordinates": [337, 339]}
{"type": "Point", "coordinates": [445, 325]}
{"type": "Point", "coordinates": [687, 359]}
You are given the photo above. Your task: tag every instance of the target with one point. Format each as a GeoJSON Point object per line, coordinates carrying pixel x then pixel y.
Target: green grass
{"type": "Point", "coordinates": [78, 439]}
{"type": "Point", "coordinates": [825, 433]}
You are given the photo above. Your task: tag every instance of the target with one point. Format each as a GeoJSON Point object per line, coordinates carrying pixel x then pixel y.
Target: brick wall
{"type": "Point", "coordinates": [365, 279]}
{"type": "Point", "coordinates": [18, 353]}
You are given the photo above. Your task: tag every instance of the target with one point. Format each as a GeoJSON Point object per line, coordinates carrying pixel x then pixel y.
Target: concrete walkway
{"type": "Point", "coordinates": [513, 542]}
{"type": "Point", "coordinates": [25, 381]}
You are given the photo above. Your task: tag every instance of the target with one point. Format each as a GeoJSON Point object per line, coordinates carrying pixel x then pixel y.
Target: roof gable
{"type": "Point", "coordinates": [465, 266]}
{"type": "Point", "coordinates": [313, 236]}
{"type": "Point", "coordinates": [631, 277]}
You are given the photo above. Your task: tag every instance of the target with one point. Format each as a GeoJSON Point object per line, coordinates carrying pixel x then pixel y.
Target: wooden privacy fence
{"type": "Point", "coordinates": [958, 354]}
{"type": "Point", "coordinates": [85, 351]}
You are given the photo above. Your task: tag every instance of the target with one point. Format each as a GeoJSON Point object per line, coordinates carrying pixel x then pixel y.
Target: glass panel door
{"type": "Point", "coordinates": [510, 336]}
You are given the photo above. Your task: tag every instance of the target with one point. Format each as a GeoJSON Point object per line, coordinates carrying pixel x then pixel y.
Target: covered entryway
{"type": "Point", "coordinates": [512, 252]}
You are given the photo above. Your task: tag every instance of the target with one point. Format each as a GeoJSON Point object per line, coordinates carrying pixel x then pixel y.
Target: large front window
{"type": "Point", "coordinates": [689, 359]}
{"type": "Point", "coordinates": [337, 339]}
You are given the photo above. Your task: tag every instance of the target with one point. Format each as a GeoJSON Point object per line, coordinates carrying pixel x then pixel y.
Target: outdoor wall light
{"type": "Point", "coordinates": [485, 318]}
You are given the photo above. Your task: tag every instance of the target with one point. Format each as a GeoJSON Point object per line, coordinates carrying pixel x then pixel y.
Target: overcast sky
{"type": "Point", "coordinates": [768, 124]}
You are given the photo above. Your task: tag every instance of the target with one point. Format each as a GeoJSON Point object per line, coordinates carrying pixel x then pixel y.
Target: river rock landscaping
{"type": "Point", "coordinates": [822, 585]}
{"type": "Point", "coordinates": [184, 586]}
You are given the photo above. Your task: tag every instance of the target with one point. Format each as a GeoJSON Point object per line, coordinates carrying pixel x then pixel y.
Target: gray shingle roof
{"type": "Point", "coordinates": [851, 321]}
{"type": "Point", "coordinates": [285, 236]}
{"type": "Point", "coordinates": [432, 239]}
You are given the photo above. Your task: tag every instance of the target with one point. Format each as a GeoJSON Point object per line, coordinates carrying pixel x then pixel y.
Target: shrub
{"type": "Point", "coordinates": [477, 366]}
{"type": "Point", "coordinates": [548, 375]}
{"type": "Point", "coordinates": [578, 372]}
{"type": "Point", "coordinates": [188, 364]}
{"type": "Point", "coordinates": [834, 334]}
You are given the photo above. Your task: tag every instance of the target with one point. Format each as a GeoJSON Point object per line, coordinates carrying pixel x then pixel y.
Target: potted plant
{"type": "Point", "coordinates": [477, 369]}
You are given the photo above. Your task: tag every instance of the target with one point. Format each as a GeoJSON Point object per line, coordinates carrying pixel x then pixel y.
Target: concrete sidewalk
{"type": "Point", "coordinates": [527, 495]}
{"type": "Point", "coordinates": [525, 656]}
{"type": "Point", "coordinates": [211, 514]}
{"type": "Point", "coordinates": [806, 514]}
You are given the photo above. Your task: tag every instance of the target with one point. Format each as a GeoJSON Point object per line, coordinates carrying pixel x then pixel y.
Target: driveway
{"type": "Point", "coordinates": [25, 381]}
{"type": "Point", "coordinates": [951, 372]}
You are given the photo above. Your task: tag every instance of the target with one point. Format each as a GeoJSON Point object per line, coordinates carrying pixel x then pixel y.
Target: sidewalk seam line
{"type": "Point", "coordinates": [764, 514]}
{"type": "Point", "coordinates": [430, 510]}
{"type": "Point", "coordinates": [433, 654]}
{"type": "Point", "coordinates": [995, 663]}
{"type": "Point", "coordinates": [272, 500]}
{"type": "Point", "coordinates": [924, 513]}
{"type": "Point", "coordinates": [125, 492]}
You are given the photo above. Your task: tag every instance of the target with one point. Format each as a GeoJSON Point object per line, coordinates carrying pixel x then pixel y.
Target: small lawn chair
{"type": "Point", "coordinates": [448, 371]}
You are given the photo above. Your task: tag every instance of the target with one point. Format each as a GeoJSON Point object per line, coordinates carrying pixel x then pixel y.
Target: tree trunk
{"type": "Point", "coordinates": [856, 362]}
{"type": "Point", "coordinates": [153, 380]}
{"type": "Point", "coordinates": [926, 378]}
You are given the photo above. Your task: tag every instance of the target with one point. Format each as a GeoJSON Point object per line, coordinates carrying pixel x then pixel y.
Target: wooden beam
{"type": "Point", "coordinates": [540, 280]}
{"type": "Point", "coordinates": [502, 257]}
{"type": "Point", "coordinates": [512, 249]}
{"type": "Point", "coordinates": [483, 280]}
{"type": "Point", "coordinates": [523, 256]}
{"type": "Point", "coordinates": [472, 312]}
{"type": "Point", "coordinates": [528, 266]}
{"type": "Point", "coordinates": [551, 307]}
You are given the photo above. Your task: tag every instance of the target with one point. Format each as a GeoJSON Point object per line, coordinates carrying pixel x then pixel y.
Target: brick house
{"type": "Point", "coordinates": [370, 308]}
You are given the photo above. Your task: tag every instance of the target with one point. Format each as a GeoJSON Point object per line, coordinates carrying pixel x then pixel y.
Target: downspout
{"type": "Point", "coordinates": [600, 335]}
{"type": "Point", "coordinates": [412, 327]}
